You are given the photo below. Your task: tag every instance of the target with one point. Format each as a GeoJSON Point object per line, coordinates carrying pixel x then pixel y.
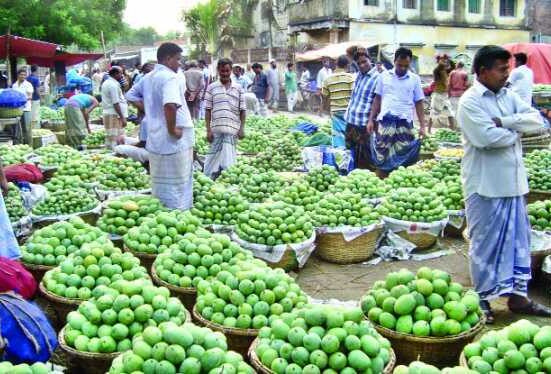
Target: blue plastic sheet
{"type": "Point", "coordinates": [10, 98]}
{"type": "Point", "coordinates": [305, 127]}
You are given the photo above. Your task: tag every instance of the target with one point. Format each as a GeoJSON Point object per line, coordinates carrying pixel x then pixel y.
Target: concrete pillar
{"type": "Point", "coordinates": [488, 12]}
{"type": "Point", "coordinates": [460, 10]}
{"type": "Point", "coordinates": [427, 10]}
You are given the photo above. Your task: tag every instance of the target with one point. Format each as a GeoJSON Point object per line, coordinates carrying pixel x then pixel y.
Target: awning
{"type": "Point", "coordinates": [23, 47]}
{"type": "Point", "coordinates": [68, 59]}
{"type": "Point", "coordinates": [539, 59]}
{"type": "Point", "coordinates": [333, 50]}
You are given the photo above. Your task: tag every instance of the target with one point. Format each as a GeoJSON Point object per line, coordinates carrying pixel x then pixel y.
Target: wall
{"type": "Point", "coordinates": [464, 38]}
{"type": "Point", "coordinates": [312, 9]}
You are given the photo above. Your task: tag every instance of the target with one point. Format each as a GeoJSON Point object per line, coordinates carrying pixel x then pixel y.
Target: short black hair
{"type": "Point", "coordinates": [22, 70]}
{"type": "Point", "coordinates": [167, 50]}
{"type": "Point", "coordinates": [34, 68]}
{"type": "Point", "coordinates": [488, 55]}
{"type": "Point", "coordinates": [201, 61]}
{"type": "Point", "coordinates": [114, 70]}
{"type": "Point", "coordinates": [222, 62]}
{"type": "Point", "coordinates": [521, 57]}
{"type": "Point", "coordinates": [342, 61]}
{"type": "Point", "coordinates": [403, 52]}
{"type": "Point", "coordinates": [257, 65]}
{"type": "Point", "coordinates": [290, 64]}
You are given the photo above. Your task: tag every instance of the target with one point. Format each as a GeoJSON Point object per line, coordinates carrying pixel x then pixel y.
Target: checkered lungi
{"type": "Point", "coordinates": [113, 130]}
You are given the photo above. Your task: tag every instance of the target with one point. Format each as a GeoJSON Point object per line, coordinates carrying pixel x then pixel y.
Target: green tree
{"type": "Point", "coordinates": [67, 22]}
{"type": "Point", "coordinates": [141, 36]}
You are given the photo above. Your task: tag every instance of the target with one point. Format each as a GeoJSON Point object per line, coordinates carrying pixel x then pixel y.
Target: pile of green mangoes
{"type": "Point", "coordinates": [66, 202]}
{"type": "Point", "coordinates": [344, 209]}
{"type": "Point", "coordinates": [219, 206]}
{"type": "Point", "coordinates": [322, 178]}
{"type": "Point", "coordinates": [123, 213]}
{"type": "Point", "coordinates": [414, 205]}
{"type": "Point", "coordinates": [14, 203]}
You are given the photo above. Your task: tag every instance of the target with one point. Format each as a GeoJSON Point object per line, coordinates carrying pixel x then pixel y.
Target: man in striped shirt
{"type": "Point", "coordinates": [225, 119]}
{"type": "Point", "coordinates": [357, 114]}
{"type": "Point", "coordinates": [338, 88]}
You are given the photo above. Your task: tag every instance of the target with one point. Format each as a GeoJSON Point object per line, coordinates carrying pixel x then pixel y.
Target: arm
{"type": "Point", "coordinates": [118, 109]}
{"type": "Point", "coordinates": [170, 116]}
{"type": "Point", "coordinates": [3, 180]}
{"type": "Point", "coordinates": [113, 96]}
{"type": "Point", "coordinates": [526, 119]}
{"type": "Point", "coordinates": [242, 118]}
{"type": "Point", "coordinates": [480, 129]}
{"type": "Point", "coordinates": [208, 117]}
{"type": "Point", "coordinates": [171, 102]}
{"type": "Point", "coordinates": [135, 96]}
{"type": "Point", "coordinates": [86, 113]}
{"type": "Point", "coordinates": [420, 110]}
{"type": "Point", "coordinates": [375, 110]}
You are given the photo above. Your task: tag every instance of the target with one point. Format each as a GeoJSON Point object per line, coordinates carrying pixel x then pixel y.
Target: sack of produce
{"type": "Point", "coordinates": [11, 103]}
{"type": "Point", "coordinates": [425, 316]}
{"type": "Point", "coordinates": [281, 234]}
{"type": "Point", "coordinates": [320, 338]}
{"type": "Point", "coordinates": [520, 347]}
{"type": "Point", "coordinates": [416, 214]}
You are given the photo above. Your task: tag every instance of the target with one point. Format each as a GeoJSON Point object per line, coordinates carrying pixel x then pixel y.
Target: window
{"type": "Point", "coordinates": [507, 8]}
{"type": "Point", "coordinates": [409, 4]}
{"type": "Point", "coordinates": [371, 2]}
{"type": "Point", "coordinates": [474, 6]}
{"type": "Point", "coordinates": [443, 5]}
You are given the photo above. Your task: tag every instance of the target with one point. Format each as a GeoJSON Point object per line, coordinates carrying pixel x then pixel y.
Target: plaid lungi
{"type": "Point", "coordinates": [172, 178]}
{"type": "Point", "coordinates": [113, 130]}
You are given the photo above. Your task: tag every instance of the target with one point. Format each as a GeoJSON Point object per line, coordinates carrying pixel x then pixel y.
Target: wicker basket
{"type": "Point", "coordinates": [332, 247]}
{"type": "Point", "coordinates": [86, 362]}
{"type": "Point", "coordinates": [421, 240]}
{"type": "Point", "coordinates": [146, 259]}
{"type": "Point", "coordinates": [187, 295]}
{"type": "Point", "coordinates": [260, 368]}
{"type": "Point", "coordinates": [439, 351]}
{"type": "Point", "coordinates": [463, 360]}
{"type": "Point", "coordinates": [454, 232]}
{"type": "Point", "coordinates": [536, 195]}
{"type": "Point", "coordinates": [89, 217]}
{"type": "Point", "coordinates": [37, 271]}
{"type": "Point", "coordinates": [239, 340]}
{"type": "Point", "coordinates": [61, 305]}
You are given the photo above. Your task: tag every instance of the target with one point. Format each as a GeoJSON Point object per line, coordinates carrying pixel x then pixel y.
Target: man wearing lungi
{"type": "Point", "coordinates": [115, 108]}
{"type": "Point", "coordinates": [170, 133]}
{"type": "Point", "coordinates": [492, 119]}
{"type": "Point", "coordinates": [398, 94]}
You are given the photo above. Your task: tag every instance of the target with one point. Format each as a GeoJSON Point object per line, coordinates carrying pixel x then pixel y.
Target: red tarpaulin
{"type": "Point", "coordinates": [23, 47]}
{"type": "Point", "coordinates": [539, 59]}
{"type": "Point", "coordinates": [68, 59]}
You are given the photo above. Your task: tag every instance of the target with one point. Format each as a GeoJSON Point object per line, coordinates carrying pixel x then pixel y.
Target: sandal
{"type": "Point", "coordinates": [487, 309]}
{"type": "Point", "coordinates": [531, 308]}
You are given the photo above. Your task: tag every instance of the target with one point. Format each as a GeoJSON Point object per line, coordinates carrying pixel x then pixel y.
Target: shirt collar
{"type": "Point", "coordinates": [482, 90]}
{"type": "Point", "coordinates": [393, 72]}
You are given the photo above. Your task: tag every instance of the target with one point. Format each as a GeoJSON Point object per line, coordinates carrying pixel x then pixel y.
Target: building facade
{"type": "Point", "coordinates": [428, 27]}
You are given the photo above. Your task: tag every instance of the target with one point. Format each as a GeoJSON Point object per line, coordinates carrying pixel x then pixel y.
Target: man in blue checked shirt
{"type": "Point", "coordinates": [357, 114]}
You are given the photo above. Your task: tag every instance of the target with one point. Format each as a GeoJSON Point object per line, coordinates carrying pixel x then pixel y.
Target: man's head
{"type": "Point", "coordinates": [342, 62]}
{"type": "Point", "coordinates": [290, 66]}
{"type": "Point", "coordinates": [169, 54]}
{"type": "Point", "coordinates": [192, 64]}
{"type": "Point", "coordinates": [460, 65]}
{"type": "Point", "coordinates": [34, 69]}
{"type": "Point", "coordinates": [138, 66]}
{"type": "Point", "coordinates": [491, 65]}
{"type": "Point", "coordinates": [379, 66]}
{"type": "Point", "coordinates": [326, 62]}
{"type": "Point", "coordinates": [236, 70]}
{"type": "Point", "coordinates": [202, 64]}
{"type": "Point", "coordinates": [115, 72]}
{"type": "Point", "coordinates": [402, 61]}
{"type": "Point", "coordinates": [364, 63]}
{"type": "Point", "coordinates": [257, 68]}
{"type": "Point", "coordinates": [224, 68]}
{"type": "Point", "coordinates": [441, 60]}
{"type": "Point", "coordinates": [21, 75]}
{"type": "Point", "coordinates": [273, 64]}
{"type": "Point", "coordinates": [148, 67]}
{"type": "Point", "coordinates": [520, 59]}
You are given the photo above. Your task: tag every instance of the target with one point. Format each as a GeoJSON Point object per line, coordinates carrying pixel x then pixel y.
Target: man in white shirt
{"type": "Point", "coordinates": [521, 79]}
{"type": "Point", "coordinates": [492, 119]}
{"type": "Point", "coordinates": [170, 134]}
{"type": "Point", "coordinates": [115, 108]}
{"type": "Point", "coordinates": [24, 86]}
{"type": "Point", "coordinates": [324, 72]}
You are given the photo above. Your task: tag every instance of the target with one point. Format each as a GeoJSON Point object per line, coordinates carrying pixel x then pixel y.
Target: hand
{"type": "Point", "coordinates": [370, 127]}
{"type": "Point", "coordinates": [497, 121]}
{"type": "Point", "coordinates": [178, 132]}
{"type": "Point", "coordinates": [4, 186]}
{"type": "Point", "coordinates": [123, 122]}
{"type": "Point", "coordinates": [421, 132]}
{"type": "Point", "coordinates": [241, 134]}
{"type": "Point", "coordinates": [210, 136]}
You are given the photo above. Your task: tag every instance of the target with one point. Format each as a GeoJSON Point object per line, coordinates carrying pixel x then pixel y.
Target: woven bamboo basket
{"type": "Point", "coordinates": [288, 261]}
{"type": "Point", "coordinates": [86, 362]}
{"type": "Point", "coordinates": [455, 232]}
{"type": "Point", "coordinates": [421, 240]}
{"type": "Point", "coordinates": [61, 305]}
{"type": "Point", "coordinates": [536, 195]}
{"type": "Point", "coordinates": [332, 247]}
{"type": "Point", "coordinates": [89, 217]}
{"type": "Point", "coordinates": [37, 271]}
{"type": "Point", "coordinates": [463, 360]}
{"type": "Point", "coordinates": [260, 368]}
{"type": "Point", "coordinates": [239, 340]}
{"type": "Point", "coordinates": [426, 155]}
{"type": "Point", "coordinates": [187, 295]}
{"type": "Point", "coordinates": [439, 351]}
{"type": "Point", "coordinates": [146, 259]}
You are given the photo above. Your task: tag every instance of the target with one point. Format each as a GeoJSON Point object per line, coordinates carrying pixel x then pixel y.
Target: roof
{"type": "Point", "coordinates": [539, 59]}
{"type": "Point", "coordinates": [23, 47]}
{"type": "Point", "coordinates": [68, 59]}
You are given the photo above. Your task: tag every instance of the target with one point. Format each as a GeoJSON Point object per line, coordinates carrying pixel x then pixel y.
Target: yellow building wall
{"type": "Point", "coordinates": [431, 35]}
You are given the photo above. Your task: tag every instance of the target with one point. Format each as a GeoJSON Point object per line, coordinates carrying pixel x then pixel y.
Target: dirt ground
{"type": "Point", "coordinates": [322, 280]}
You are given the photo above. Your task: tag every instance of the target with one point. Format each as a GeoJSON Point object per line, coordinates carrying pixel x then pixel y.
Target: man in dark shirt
{"type": "Point", "coordinates": [35, 103]}
{"type": "Point", "coordinates": [261, 88]}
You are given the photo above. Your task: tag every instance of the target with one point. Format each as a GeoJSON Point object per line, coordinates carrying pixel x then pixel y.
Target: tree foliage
{"type": "Point", "coordinates": [67, 22]}
{"type": "Point", "coordinates": [141, 36]}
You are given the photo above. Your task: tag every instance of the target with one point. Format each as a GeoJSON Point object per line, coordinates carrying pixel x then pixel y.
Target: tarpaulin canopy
{"type": "Point", "coordinates": [333, 50]}
{"type": "Point", "coordinates": [68, 59]}
{"type": "Point", "coordinates": [23, 47]}
{"type": "Point", "coordinates": [539, 59]}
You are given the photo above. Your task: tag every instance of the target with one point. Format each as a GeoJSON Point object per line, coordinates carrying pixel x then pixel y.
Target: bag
{"type": "Point", "coordinates": [23, 173]}
{"type": "Point", "coordinates": [14, 277]}
{"type": "Point", "coordinates": [27, 332]}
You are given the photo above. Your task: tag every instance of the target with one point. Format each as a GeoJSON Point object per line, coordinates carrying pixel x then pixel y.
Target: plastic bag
{"type": "Point", "coordinates": [456, 218]}
{"type": "Point", "coordinates": [540, 241]}
{"type": "Point", "coordinates": [434, 228]}
{"type": "Point", "coordinates": [15, 278]}
{"type": "Point", "coordinates": [315, 157]}
{"type": "Point", "coordinates": [12, 98]}
{"type": "Point", "coordinates": [33, 195]}
{"type": "Point", "coordinates": [393, 247]}
{"type": "Point", "coordinates": [23, 227]}
{"type": "Point", "coordinates": [274, 253]}
{"type": "Point", "coordinates": [305, 127]}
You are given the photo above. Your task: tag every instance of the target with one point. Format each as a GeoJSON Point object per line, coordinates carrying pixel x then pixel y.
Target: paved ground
{"type": "Point", "coordinates": [322, 280]}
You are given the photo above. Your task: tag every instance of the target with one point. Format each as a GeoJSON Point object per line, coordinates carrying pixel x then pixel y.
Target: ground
{"type": "Point", "coordinates": [322, 280]}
